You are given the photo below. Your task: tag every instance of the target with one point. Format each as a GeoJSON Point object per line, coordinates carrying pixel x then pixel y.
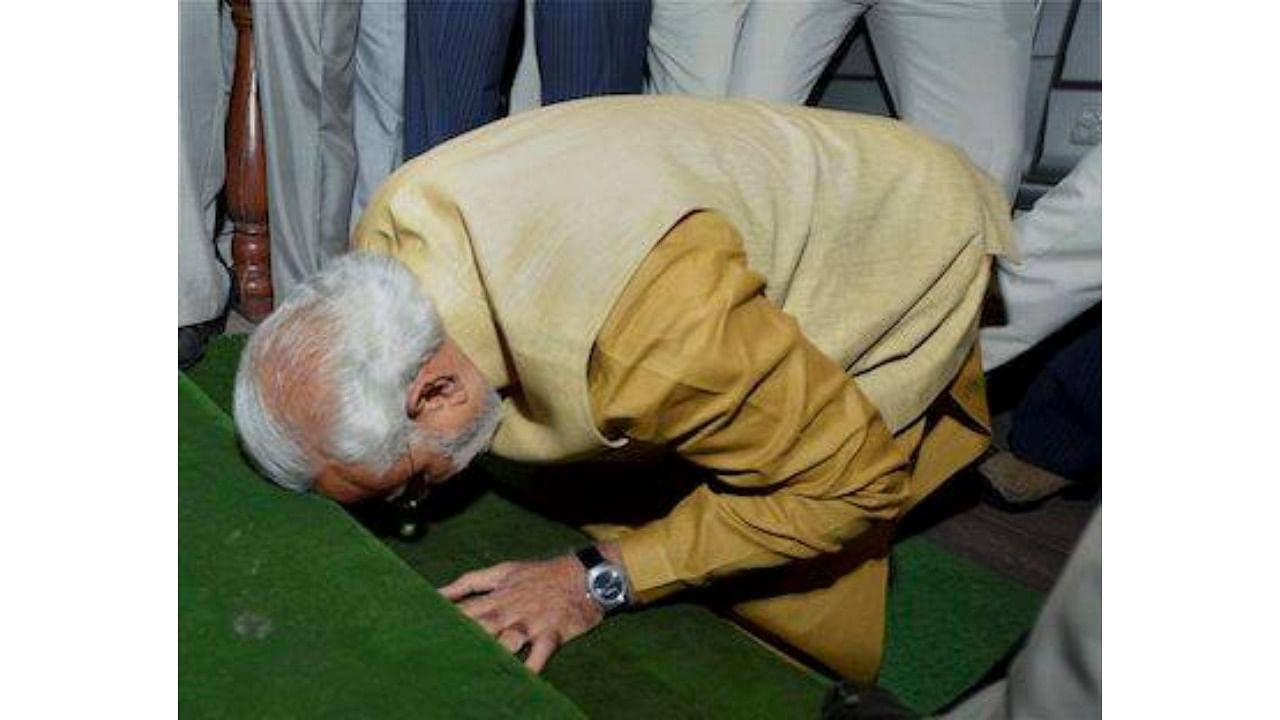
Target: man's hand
{"type": "Point", "coordinates": [542, 604]}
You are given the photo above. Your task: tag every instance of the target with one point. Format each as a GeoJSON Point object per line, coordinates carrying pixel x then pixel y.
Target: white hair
{"type": "Point", "coordinates": [360, 330]}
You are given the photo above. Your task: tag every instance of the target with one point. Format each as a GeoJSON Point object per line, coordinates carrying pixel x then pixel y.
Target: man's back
{"type": "Point", "coordinates": [545, 216]}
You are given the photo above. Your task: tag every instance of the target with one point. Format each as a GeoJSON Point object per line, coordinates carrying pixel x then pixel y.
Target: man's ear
{"type": "Point", "coordinates": [433, 389]}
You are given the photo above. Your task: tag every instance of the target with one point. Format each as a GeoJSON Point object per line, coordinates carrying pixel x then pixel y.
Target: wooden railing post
{"type": "Point", "coordinates": [246, 184]}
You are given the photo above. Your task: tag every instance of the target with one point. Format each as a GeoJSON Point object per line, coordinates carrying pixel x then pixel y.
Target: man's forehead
{"type": "Point", "coordinates": [344, 483]}
{"type": "Point", "coordinates": [347, 482]}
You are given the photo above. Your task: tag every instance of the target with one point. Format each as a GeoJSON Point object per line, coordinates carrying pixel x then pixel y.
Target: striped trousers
{"type": "Point", "coordinates": [459, 54]}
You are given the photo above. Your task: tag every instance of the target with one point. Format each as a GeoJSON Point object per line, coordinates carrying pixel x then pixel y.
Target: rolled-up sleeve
{"type": "Point", "coordinates": [694, 357]}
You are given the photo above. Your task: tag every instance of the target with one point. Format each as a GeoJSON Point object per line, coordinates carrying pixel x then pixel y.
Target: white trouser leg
{"type": "Point", "coordinates": [378, 98]}
{"type": "Point", "coordinates": [960, 70]}
{"type": "Point", "coordinates": [203, 284]}
{"type": "Point", "coordinates": [526, 87]}
{"type": "Point", "coordinates": [691, 45]}
{"type": "Point", "coordinates": [306, 68]}
{"type": "Point", "coordinates": [785, 44]}
{"type": "Point", "coordinates": [1060, 273]}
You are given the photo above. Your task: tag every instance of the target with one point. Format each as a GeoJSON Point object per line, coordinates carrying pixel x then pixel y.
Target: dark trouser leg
{"type": "Point", "coordinates": [454, 57]}
{"type": "Point", "coordinates": [591, 47]}
{"type": "Point", "coordinates": [1058, 423]}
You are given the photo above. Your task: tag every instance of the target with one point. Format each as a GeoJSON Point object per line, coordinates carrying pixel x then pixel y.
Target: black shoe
{"type": "Point", "coordinates": [193, 338]}
{"type": "Point", "coordinates": [847, 701]}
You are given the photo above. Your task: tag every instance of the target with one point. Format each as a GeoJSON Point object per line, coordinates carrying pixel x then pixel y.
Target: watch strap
{"type": "Point", "coordinates": [590, 557]}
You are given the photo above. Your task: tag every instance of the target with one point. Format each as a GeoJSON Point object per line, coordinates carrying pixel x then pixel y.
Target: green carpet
{"type": "Point", "coordinates": [949, 619]}
{"type": "Point", "coordinates": [288, 609]}
{"type": "Point", "coordinates": [675, 661]}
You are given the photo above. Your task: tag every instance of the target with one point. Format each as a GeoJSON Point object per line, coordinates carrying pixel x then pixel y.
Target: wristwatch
{"type": "Point", "coordinates": [606, 582]}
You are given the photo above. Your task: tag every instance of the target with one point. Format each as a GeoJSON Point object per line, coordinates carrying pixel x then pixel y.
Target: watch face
{"type": "Point", "coordinates": [608, 585]}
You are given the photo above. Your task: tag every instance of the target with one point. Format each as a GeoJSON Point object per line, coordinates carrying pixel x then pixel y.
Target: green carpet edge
{"type": "Point", "coordinates": [387, 559]}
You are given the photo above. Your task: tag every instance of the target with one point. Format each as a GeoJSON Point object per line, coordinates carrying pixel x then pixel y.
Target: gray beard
{"type": "Point", "coordinates": [474, 439]}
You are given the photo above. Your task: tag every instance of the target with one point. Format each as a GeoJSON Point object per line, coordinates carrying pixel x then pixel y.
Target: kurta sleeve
{"type": "Point", "coordinates": [694, 357]}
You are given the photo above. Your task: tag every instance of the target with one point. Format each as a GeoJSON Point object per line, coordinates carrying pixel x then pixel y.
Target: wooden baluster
{"type": "Point", "coordinates": [246, 184]}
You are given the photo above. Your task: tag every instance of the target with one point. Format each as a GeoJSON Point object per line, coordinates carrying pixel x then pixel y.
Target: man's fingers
{"type": "Point", "coordinates": [530, 608]}
{"type": "Point", "coordinates": [491, 623]}
{"type": "Point", "coordinates": [476, 581]}
{"type": "Point", "coordinates": [486, 611]}
{"type": "Point", "coordinates": [540, 652]}
{"type": "Point", "coordinates": [512, 640]}
{"type": "Point", "coordinates": [477, 607]}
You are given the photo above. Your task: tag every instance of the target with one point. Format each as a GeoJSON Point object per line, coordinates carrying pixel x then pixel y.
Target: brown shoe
{"type": "Point", "coordinates": [1018, 483]}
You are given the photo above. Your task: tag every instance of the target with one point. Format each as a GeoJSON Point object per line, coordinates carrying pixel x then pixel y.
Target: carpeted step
{"type": "Point", "coordinates": [288, 608]}
{"type": "Point", "coordinates": [949, 619]}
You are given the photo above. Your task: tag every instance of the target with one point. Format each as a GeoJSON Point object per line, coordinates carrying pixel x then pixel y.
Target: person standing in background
{"type": "Point", "coordinates": [1055, 438]}
{"type": "Point", "coordinates": [306, 76]}
{"type": "Point", "coordinates": [378, 100]}
{"type": "Point", "coordinates": [456, 55]}
{"type": "Point", "coordinates": [304, 55]}
{"type": "Point", "coordinates": [203, 86]}
{"type": "Point", "coordinates": [1059, 274]}
{"type": "Point", "coordinates": [958, 70]}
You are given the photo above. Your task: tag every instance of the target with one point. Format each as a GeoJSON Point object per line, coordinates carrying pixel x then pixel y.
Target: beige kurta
{"type": "Point", "coordinates": [873, 237]}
